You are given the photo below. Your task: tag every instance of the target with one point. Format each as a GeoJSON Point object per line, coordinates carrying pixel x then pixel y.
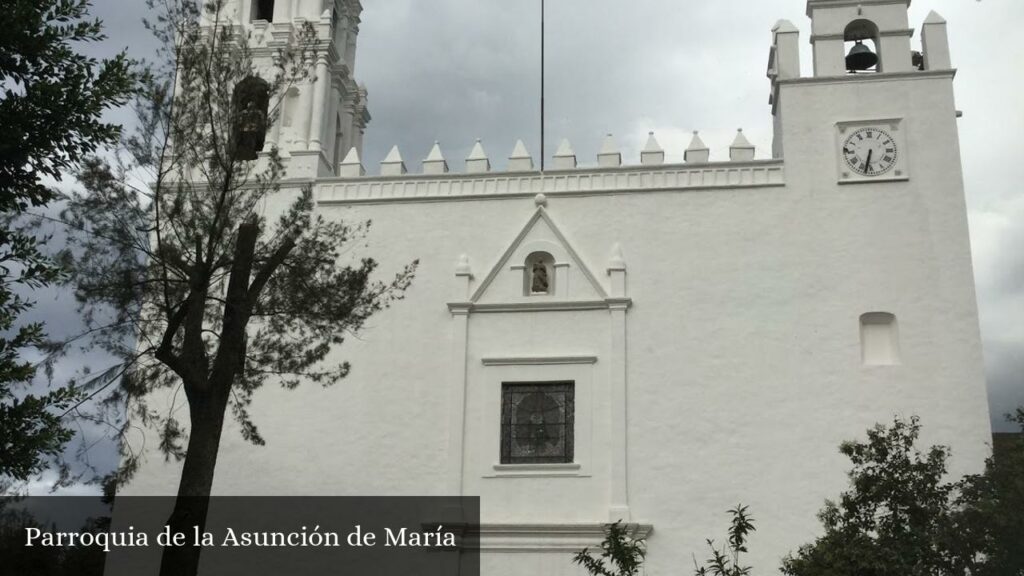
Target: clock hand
{"type": "Point", "coordinates": [867, 163]}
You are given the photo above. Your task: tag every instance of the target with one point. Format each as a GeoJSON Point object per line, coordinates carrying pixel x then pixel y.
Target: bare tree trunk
{"type": "Point", "coordinates": [193, 500]}
{"type": "Point", "coordinates": [207, 404]}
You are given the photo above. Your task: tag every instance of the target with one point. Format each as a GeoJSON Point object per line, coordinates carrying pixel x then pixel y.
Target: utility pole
{"type": "Point", "coordinates": [541, 85]}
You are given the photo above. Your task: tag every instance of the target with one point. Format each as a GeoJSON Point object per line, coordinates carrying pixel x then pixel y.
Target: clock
{"type": "Point", "coordinates": [870, 151]}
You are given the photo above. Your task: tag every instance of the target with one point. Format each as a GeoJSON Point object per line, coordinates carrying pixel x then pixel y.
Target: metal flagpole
{"type": "Point", "coordinates": [541, 85]}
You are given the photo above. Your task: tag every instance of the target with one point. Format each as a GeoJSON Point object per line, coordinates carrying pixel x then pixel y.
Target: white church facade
{"type": "Point", "coordinates": [650, 341]}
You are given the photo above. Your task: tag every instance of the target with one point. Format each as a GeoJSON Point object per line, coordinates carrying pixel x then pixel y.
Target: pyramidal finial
{"type": "Point", "coordinates": [783, 26]}
{"type": "Point", "coordinates": [697, 143]}
{"type": "Point", "coordinates": [392, 165]}
{"type": "Point", "coordinates": [435, 153]}
{"type": "Point", "coordinates": [351, 166]}
{"type": "Point", "coordinates": [934, 18]}
{"type": "Point", "coordinates": [520, 159]}
{"type": "Point", "coordinates": [519, 150]}
{"type": "Point", "coordinates": [609, 155]}
{"type": "Point", "coordinates": [435, 163]}
{"type": "Point", "coordinates": [477, 153]}
{"type": "Point", "coordinates": [652, 143]}
{"type": "Point", "coordinates": [741, 149]}
{"type": "Point", "coordinates": [394, 155]}
{"type": "Point", "coordinates": [352, 157]}
{"type": "Point", "coordinates": [565, 158]}
{"type": "Point", "coordinates": [697, 152]}
{"type": "Point", "coordinates": [652, 153]}
{"type": "Point", "coordinates": [477, 160]}
{"type": "Point", "coordinates": [741, 140]}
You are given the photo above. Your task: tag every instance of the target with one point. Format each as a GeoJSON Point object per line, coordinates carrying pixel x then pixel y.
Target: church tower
{"type": "Point", "coordinates": [865, 76]}
{"type": "Point", "coordinates": [323, 118]}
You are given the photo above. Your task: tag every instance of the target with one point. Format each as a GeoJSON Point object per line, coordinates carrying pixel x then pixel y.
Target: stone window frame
{"type": "Point", "coordinates": [566, 388]}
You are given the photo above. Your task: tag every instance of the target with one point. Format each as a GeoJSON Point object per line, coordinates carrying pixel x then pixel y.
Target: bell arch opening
{"type": "Point", "coordinates": [250, 108]}
{"type": "Point", "coordinates": [860, 42]}
{"type": "Point", "coordinates": [263, 10]}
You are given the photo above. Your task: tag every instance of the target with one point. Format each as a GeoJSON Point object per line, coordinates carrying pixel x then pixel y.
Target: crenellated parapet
{"type": "Point", "coordinates": [435, 182]}
{"type": "Point", "coordinates": [519, 160]}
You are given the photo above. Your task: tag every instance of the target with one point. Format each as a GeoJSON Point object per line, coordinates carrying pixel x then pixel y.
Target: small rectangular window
{"type": "Point", "coordinates": [537, 422]}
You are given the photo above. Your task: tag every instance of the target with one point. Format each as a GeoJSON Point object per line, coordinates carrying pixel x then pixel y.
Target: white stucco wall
{"type": "Point", "coordinates": [745, 284]}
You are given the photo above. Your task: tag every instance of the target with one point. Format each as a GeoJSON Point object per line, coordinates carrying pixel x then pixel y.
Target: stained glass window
{"type": "Point", "coordinates": [537, 422]}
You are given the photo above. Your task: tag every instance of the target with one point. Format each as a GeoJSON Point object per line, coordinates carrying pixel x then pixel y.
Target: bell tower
{"type": "Point", "coordinates": [865, 72]}
{"type": "Point", "coordinates": [860, 36]}
{"type": "Point", "coordinates": [323, 117]}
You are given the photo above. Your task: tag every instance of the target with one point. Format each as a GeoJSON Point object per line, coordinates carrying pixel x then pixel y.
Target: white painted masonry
{"type": "Point", "coordinates": [711, 315]}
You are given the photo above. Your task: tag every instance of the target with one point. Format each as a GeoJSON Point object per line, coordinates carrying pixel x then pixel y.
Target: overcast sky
{"type": "Point", "coordinates": [457, 70]}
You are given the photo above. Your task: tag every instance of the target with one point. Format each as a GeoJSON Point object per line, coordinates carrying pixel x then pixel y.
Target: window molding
{"type": "Point", "coordinates": [514, 369]}
{"type": "Point", "coordinates": [537, 360]}
{"type": "Point", "coordinates": [568, 469]}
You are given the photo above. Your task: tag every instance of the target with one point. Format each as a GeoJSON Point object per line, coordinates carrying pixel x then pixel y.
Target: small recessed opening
{"type": "Point", "coordinates": [879, 339]}
{"type": "Point", "coordinates": [539, 274]}
{"type": "Point", "coordinates": [263, 10]}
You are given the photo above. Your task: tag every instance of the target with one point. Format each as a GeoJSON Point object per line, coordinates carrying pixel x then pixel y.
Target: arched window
{"type": "Point", "coordinates": [879, 339]}
{"type": "Point", "coordinates": [263, 10]}
{"type": "Point", "coordinates": [539, 277]}
{"type": "Point", "coordinates": [250, 103]}
{"type": "Point", "coordinates": [861, 42]}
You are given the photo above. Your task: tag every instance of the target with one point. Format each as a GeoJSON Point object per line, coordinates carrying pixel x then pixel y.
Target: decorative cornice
{"type": "Point", "coordinates": [878, 77]}
{"type": "Point", "coordinates": [578, 182]}
{"type": "Point", "coordinates": [538, 360]}
{"type": "Point", "coordinates": [909, 32]}
{"type": "Point", "coordinates": [539, 306]}
{"type": "Point", "coordinates": [812, 4]}
{"type": "Point", "coordinates": [546, 537]}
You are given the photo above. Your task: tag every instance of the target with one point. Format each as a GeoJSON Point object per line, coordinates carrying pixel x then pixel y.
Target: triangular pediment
{"type": "Point", "coordinates": [508, 282]}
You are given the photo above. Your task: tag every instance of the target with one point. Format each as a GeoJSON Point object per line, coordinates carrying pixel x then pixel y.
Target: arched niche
{"type": "Point", "coordinates": [539, 274]}
{"type": "Point", "coordinates": [879, 339]}
{"type": "Point", "coordinates": [865, 32]}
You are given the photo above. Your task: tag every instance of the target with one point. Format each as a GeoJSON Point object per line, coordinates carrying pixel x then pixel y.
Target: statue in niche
{"type": "Point", "coordinates": [540, 281]}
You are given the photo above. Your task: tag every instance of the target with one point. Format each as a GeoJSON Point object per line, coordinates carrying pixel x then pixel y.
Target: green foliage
{"type": "Point", "coordinates": [178, 272]}
{"type": "Point", "coordinates": [989, 525]}
{"type": "Point", "coordinates": [726, 561]}
{"type": "Point", "coordinates": [50, 117]}
{"type": "Point", "coordinates": [620, 554]}
{"type": "Point", "coordinates": [21, 560]}
{"type": "Point", "coordinates": [893, 517]}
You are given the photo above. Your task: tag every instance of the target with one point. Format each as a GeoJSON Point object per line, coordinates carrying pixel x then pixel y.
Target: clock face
{"type": "Point", "coordinates": [870, 151]}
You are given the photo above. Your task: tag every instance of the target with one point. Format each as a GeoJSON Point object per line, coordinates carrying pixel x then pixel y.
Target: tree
{"type": "Point", "coordinates": [896, 517]}
{"type": "Point", "coordinates": [621, 554]}
{"type": "Point", "coordinates": [989, 524]}
{"type": "Point", "coordinates": [50, 118]}
{"type": "Point", "coordinates": [185, 280]}
{"type": "Point", "coordinates": [726, 561]}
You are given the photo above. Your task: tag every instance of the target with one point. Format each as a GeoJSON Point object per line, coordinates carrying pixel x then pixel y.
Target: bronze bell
{"type": "Point", "coordinates": [860, 58]}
